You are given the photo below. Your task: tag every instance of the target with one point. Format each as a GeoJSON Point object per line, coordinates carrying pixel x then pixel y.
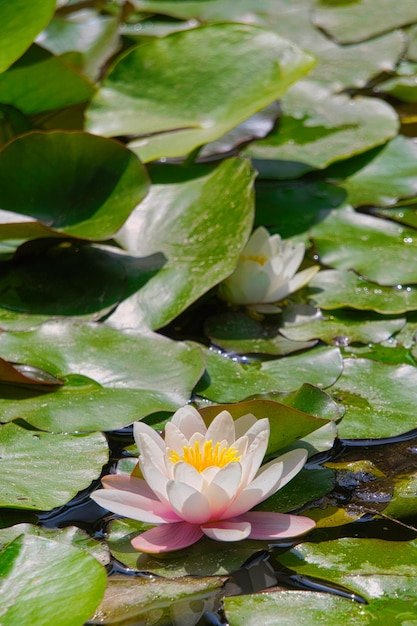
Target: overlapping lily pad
{"type": "Point", "coordinates": [199, 218]}
{"type": "Point", "coordinates": [180, 108]}
{"type": "Point", "coordinates": [61, 86]}
{"type": "Point", "coordinates": [44, 581]}
{"type": "Point", "coordinates": [226, 380]}
{"type": "Point", "coordinates": [379, 398]}
{"type": "Point", "coordinates": [21, 21]}
{"type": "Point", "coordinates": [348, 240]}
{"type": "Point", "coordinates": [335, 289]}
{"type": "Point", "coordinates": [355, 21]}
{"type": "Point", "coordinates": [112, 377]}
{"type": "Point", "coordinates": [318, 128]}
{"type": "Point", "coordinates": [23, 451]}
{"type": "Point", "coordinates": [94, 186]}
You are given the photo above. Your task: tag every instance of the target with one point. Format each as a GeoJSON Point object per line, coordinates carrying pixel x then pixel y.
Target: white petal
{"type": "Point", "coordinates": [188, 503]}
{"type": "Point", "coordinates": [186, 473]}
{"type": "Point", "coordinates": [244, 423]}
{"type": "Point", "coordinates": [227, 530]}
{"type": "Point", "coordinates": [174, 438]}
{"type": "Point", "coordinates": [254, 456]}
{"type": "Point", "coordinates": [222, 428]}
{"type": "Point", "coordinates": [142, 428]}
{"type": "Point", "coordinates": [189, 421]}
{"type": "Point", "coordinates": [150, 451]}
{"type": "Point", "coordinates": [156, 479]}
{"type": "Point", "coordinates": [134, 506]}
{"type": "Point", "coordinates": [293, 462]}
{"type": "Point", "coordinates": [222, 490]}
{"type": "Point", "coordinates": [258, 239]}
{"type": "Point", "coordinates": [279, 292]}
{"type": "Point", "coordinates": [264, 485]}
{"type": "Point", "coordinates": [302, 278]}
{"type": "Point", "coordinates": [293, 256]}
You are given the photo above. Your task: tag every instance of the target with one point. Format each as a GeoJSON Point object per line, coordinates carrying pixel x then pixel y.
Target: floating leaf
{"type": "Point", "coordinates": [214, 558]}
{"type": "Point", "coordinates": [92, 189]}
{"type": "Point", "coordinates": [199, 218]}
{"type": "Point", "coordinates": [228, 381]}
{"type": "Point", "coordinates": [34, 466]}
{"type": "Point", "coordinates": [349, 21]}
{"type": "Point", "coordinates": [334, 289]}
{"type": "Point", "coordinates": [112, 377]}
{"type": "Point", "coordinates": [241, 334]}
{"type": "Point", "coordinates": [348, 240]}
{"type": "Point", "coordinates": [386, 175]}
{"type": "Point", "coordinates": [40, 82]}
{"type": "Point", "coordinates": [379, 398]}
{"type": "Point", "coordinates": [338, 327]}
{"type": "Point", "coordinates": [21, 21]}
{"type": "Point", "coordinates": [139, 600]}
{"type": "Point", "coordinates": [317, 128]}
{"type": "Point", "coordinates": [179, 108]}
{"type": "Point", "coordinates": [44, 582]}
{"type": "Point", "coordinates": [93, 35]}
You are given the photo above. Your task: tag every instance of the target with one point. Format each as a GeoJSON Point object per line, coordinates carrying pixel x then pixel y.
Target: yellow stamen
{"type": "Point", "coordinates": [201, 459]}
{"type": "Point", "coordinates": [256, 258]}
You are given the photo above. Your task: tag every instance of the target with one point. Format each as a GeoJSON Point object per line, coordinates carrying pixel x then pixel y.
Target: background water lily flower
{"type": "Point", "coordinates": [266, 271]}
{"type": "Point", "coordinates": [204, 481]}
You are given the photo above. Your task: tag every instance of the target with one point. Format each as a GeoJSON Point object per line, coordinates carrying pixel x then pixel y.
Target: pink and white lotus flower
{"type": "Point", "coordinates": [266, 271]}
{"type": "Point", "coordinates": [204, 481]}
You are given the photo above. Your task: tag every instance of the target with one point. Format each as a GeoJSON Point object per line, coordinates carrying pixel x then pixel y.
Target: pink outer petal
{"type": "Point", "coordinates": [230, 530]}
{"type": "Point", "coordinates": [266, 525]}
{"type": "Point", "coordinates": [167, 537]}
{"type": "Point", "coordinates": [135, 506]}
{"type": "Point", "coordinates": [126, 482]}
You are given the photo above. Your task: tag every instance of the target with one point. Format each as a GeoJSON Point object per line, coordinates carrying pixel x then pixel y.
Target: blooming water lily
{"type": "Point", "coordinates": [266, 271]}
{"type": "Point", "coordinates": [203, 481]}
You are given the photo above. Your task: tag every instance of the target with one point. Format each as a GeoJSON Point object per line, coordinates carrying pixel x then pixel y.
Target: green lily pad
{"type": "Point", "coordinates": [350, 21]}
{"type": "Point", "coordinates": [228, 381]}
{"type": "Point", "coordinates": [334, 289]}
{"type": "Point", "coordinates": [412, 43]}
{"type": "Point", "coordinates": [404, 498]}
{"type": "Point", "coordinates": [404, 84]}
{"type": "Point", "coordinates": [291, 207]}
{"type": "Point", "coordinates": [40, 82]}
{"type": "Point", "coordinates": [338, 327]}
{"type": "Point", "coordinates": [50, 281]}
{"type": "Point", "coordinates": [45, 480]}
{"type": "Point", "coordinates": [206, 557]}
{"type": "Point", "coordinates": [387, 175]}
{"type": "Point", "coordinates": [381, 572]}
{"type": "Point", "coordinates": [142, 600]}
{"type": "Point", "coordinates": [44, 582]}
{"type": "Point", "coordinates": [242, 334]}
{"type": "Point", "coordinates": [258, 66]}
{"type": "Point", "coordinates": [104, 377]}
{"type": "Point", "coordinates": [379, 398]}
{"type": "Point", "coordinates": [71, 535]}
{"type": "Point", "coordinates": [310, 607]}
{"type": "Point", "coordinates": [93, 35]}
{"type": "Point", "coordinates": [348, 240]}
{"type": "Point", "coordinates": [199, 218]}
{"type": "Point", "coordinates": [92, 189]}
{"type": "Point", "coordinates": [318, 128]}
{"type": "Point", "coordinates": [21, 22]}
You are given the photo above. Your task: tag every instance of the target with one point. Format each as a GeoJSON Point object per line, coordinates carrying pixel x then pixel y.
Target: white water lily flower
{"type": "Point", "coordinates": [266, 271]}
{"type": "Point", "coordinates": [203, 481]}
